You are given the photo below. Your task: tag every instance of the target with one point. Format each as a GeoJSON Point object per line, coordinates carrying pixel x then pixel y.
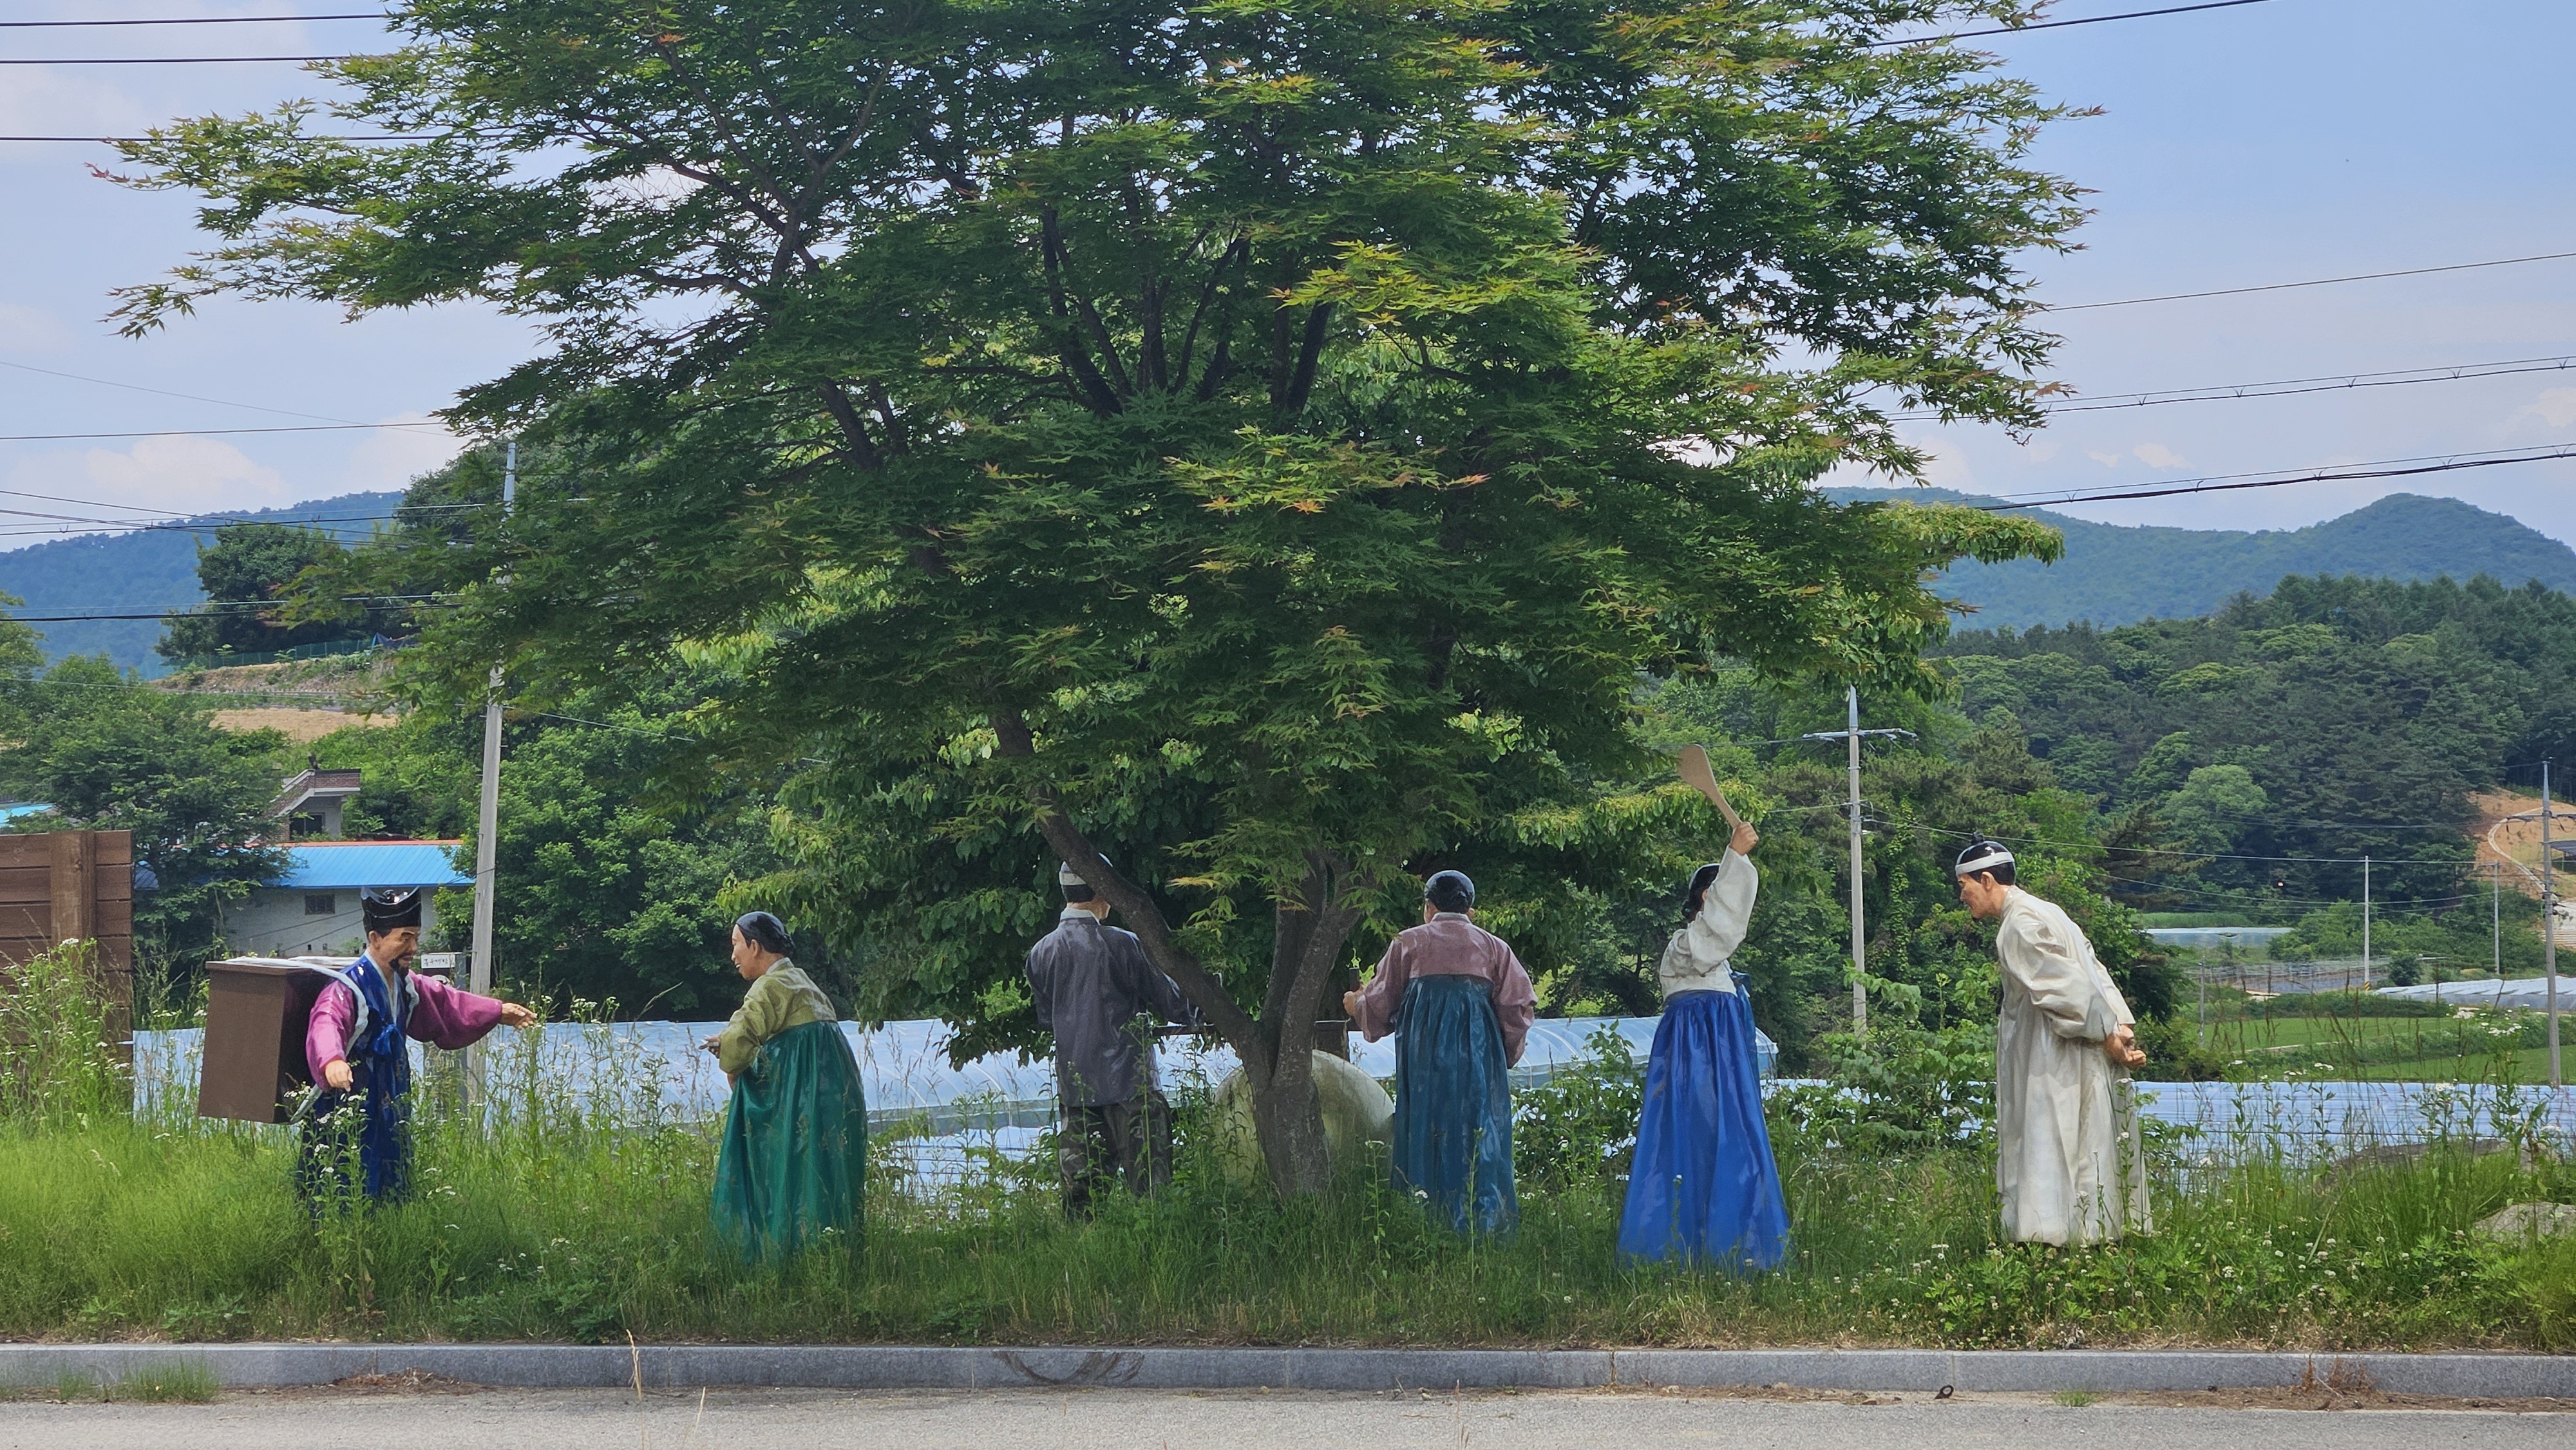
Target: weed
{"type": "Point", "coordinates": [183, 1381]}
{"type": "Point", "coordinates": [2075, 1399]}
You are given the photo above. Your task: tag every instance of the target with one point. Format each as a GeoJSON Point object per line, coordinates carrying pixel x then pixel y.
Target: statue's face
{"type": "Point", "coordinates": [1983, 895]}
{"type": "Point", "coordinates": [393, 950]}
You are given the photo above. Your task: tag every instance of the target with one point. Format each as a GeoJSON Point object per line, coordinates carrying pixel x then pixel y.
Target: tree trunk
{"type": "Point", "coordinates": [1275, 1048]}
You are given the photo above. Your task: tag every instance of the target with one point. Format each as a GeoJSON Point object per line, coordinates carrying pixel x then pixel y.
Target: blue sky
{"type": "Point", "coordinates": [2273, 142]}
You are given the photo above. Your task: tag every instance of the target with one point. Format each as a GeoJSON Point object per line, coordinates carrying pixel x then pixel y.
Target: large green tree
{"type": "Point", "coordinates": [245, 572]}
{"type": "Point", "coordinates": [1265, 443]}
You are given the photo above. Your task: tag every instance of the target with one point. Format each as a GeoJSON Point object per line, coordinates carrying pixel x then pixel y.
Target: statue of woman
{"type": "Point", "coordinates": [1704, 1188]}
{"type": "Point", "coordinates": [795, 1154]}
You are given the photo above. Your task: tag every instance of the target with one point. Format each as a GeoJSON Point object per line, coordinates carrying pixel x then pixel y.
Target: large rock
{"type": "Point", "coordinates": [1359, 1119]}
{"type": "Point", "coordinates": [2548, 1220]}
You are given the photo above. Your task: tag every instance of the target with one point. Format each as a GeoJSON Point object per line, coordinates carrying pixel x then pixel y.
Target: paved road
{"type": "Point", "coordinates": [1156, 1420]}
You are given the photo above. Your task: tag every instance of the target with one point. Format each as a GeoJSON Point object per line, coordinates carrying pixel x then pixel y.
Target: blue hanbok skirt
{"type": "Point", "coordinates": [1704, 1189]}
{"type": "Point", "coordinates": [1453, 1106]}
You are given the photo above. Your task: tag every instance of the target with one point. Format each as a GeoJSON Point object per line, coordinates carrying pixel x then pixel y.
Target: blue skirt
{"type": "Point", "coordinates": [1453, 1106]}
{"type": "Point", "coordinates": [1704, 1188]}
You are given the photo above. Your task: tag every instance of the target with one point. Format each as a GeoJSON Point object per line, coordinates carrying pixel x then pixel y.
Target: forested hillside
{"type": "Point", "coordinates": [2113, 575]}
{"type": "Point", "coordinates": [143, 572]}
{"type": "Point", "coordinates": [2335, 719]}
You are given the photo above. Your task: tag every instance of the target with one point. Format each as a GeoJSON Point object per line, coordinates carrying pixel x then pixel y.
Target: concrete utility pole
{"type": "Point", "coordinates": [2549, 925]}
{"type": "Point", "coordinates": [2365, 923]}
{"type": "Point", "coordinates": [2495, 906]}
{"type": "Point", "coordinates": [1859, 930]}
{"type": "Point", "coordinates": [488, 821]}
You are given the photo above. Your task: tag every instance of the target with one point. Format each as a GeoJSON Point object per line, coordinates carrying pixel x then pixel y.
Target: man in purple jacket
{"type": "Point", "coordinates": [356, 1046]}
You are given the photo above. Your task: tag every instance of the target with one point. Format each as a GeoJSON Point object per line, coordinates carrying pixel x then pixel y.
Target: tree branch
{"type": "Point", "coordinates": [1144, 916]}
{"type": "Point", "coordinates": [863, 449]}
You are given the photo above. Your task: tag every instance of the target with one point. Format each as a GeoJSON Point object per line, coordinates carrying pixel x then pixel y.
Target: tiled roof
{"type": "Point", "coordinates": [342, 865]}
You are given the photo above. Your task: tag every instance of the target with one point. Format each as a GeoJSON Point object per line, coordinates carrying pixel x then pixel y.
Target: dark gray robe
{"type": "Point", "coordinates": [1100, 996]}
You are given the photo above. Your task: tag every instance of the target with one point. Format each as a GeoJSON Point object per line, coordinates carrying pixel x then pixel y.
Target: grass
{"type": "Point", "coordinates": [2075, 1399]}
{"type": "Point", "coordinates": [551, 1234]}
{"type": "Point", "coordinates": [182, 1381]}
{"type": "Point", "coordinates": [584, 1218]}
{"type": "Point", "coordinates": [2324, 1035]}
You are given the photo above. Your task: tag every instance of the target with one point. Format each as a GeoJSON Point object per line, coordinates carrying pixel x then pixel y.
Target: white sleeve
{"type": "Point", "coordinates": [1725, 914]}
{"type": "Point", "coordinates": [2050, 961]}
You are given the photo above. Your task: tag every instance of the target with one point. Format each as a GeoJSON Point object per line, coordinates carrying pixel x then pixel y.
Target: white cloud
{"type": "Point", "coordinates": [27, 329]}
{"type": "Point", "coordinates": [2107, 460]}
{"type": "Point", "coordinates": [2156, 455]}
{"type": "Point", "coordinates": [2557, 408]}
{"type": "Point", "coordinates": [165, 476]}
{"type": "Point", "coordinates": [391, 458]}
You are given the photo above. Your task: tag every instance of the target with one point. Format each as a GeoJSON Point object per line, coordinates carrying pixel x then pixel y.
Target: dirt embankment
{"type": "Point", "coordinates": [302, 699]}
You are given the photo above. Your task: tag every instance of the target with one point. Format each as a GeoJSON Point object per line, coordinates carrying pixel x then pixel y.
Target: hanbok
{"type": "Point", "coordinates": [1703, 1188]}
{"type": "Point", "coordinates": [794, 1159]}
{"type": "Point", "coordinates": [1460, 1005]}
{"type": "Point", "coordinates": [2069, 1162]}
{"type": "Point", "coordinates": [368, 1021]}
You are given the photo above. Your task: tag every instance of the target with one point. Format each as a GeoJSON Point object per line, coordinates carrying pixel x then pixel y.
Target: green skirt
{"type": "Point", "coordinates": [795, 1154]}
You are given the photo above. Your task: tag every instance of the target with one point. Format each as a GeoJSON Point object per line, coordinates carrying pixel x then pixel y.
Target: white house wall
{"type": "Point", "coordinates": [271, 922]}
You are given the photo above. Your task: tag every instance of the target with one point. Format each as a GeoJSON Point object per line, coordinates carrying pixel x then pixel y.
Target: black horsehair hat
{"type": "Point", "coordinates": [1450, 891]}
{"type": "Point", "coordinates": [1981, 855]}
{"type": "Point", "coordinates": [390, 908]}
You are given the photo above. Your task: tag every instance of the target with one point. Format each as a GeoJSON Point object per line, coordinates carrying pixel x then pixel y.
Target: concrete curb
{"type": "Point", "coordinates": [886, 1367]}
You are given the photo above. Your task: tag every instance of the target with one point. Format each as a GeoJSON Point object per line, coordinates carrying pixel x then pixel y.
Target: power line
{"type": "Point", "coordinates": [115, 140]}
{"type": "Point", "coordinates": [2219, 483]}
{"type": "Point", "coordinates": [188, 20]}
{"type": "Point", "coordinates": [2187, 855]}
{"type": "Point", "coordinates": [2312, 282]}
{"type": "Point", "coordinates": [166, 393]}
{"type": "Point", "coordinates": [2063, 24]}
{"type": "Point", "coordinates": [2289, 387]}
{"type": "Point", "coordinates": [206, 432]}
{"type": "Point", "coordinates": [181, 59]}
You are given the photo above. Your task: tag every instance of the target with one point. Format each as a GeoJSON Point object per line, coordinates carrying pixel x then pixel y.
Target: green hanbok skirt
{"type": "Point", "coordinates": [795, 1154]}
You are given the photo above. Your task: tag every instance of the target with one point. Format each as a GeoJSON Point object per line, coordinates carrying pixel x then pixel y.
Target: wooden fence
{"type": "Point", "coordinates": [73, 886]}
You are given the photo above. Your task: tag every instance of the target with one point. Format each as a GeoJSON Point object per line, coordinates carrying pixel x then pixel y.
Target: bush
{"type": "Point", "coordinates": [1579, 1128]}
{"type": "Point", "coordinates": [1900, 1089]}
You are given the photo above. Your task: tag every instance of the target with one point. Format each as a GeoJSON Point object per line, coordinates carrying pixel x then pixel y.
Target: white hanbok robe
{"type": "Point", "coordinates": [2069, 1160]}
{"type": "Point", "coordinates": [1696, 959]}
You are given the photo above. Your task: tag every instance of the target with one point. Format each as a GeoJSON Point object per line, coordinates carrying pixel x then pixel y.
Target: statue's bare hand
{"type": "Point", "coordinates": [1744, 839]}
{"type": "Point", "coordinates": [1351, 1004]}
{"type": "Point", "coordinates": [2122, 1048]}
{"type": "Point", "coordinates": [336, 1075]}
{"type": "Point", "coordinates": [514, 1015]}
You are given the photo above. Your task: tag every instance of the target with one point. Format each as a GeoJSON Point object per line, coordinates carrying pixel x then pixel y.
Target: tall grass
{"type": "Point", "coordinates": [564, 1215]}
{"type": "Point", "coordinates": [56, 1065]}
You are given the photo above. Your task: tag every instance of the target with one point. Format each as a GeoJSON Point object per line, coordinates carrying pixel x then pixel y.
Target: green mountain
{"type": "Point", "coordinates": [2114, 574]}
{"type": "Point", "coordinates": [147, 571]}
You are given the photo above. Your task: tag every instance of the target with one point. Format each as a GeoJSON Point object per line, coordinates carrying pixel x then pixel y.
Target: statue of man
{"type": "Point", "coordinates": [2068, 1157]}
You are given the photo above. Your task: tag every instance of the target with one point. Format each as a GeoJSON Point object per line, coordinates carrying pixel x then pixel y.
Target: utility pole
{"type": "Point", "coordinates": [1859, 932]}
{"type": "Point", "coordinates": [1860, 948]}
{"type": "Point", "coordinates": [488, 821]}
{"type": "Point", "coordinates": [2365, 923]}
{"type": "Point", "coordinates": [2549, 925]}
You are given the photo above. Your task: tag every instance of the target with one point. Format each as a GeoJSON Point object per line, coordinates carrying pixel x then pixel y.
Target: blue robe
{"type": "Point", "coordinates": [1704, 1189]}
{"type": "Point", "coordinates": [372, 1120]}
{"type": "Point", "coordinates": [1453, 1106]}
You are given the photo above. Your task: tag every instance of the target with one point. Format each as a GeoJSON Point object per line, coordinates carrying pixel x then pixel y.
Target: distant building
{"type": "Point", "coordinates": [311, 803]}
{"type": "Point", "coordinates": [312, 910]}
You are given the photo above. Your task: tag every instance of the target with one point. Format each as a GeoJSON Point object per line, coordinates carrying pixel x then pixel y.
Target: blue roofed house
{"type": "Point", "coordinates": [312, 909]}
